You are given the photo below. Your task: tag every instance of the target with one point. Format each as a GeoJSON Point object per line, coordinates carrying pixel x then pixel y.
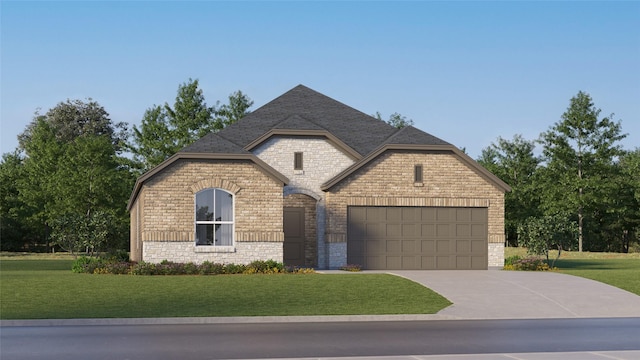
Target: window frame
{"type": "Point", "coordinates": [298, 160]}
{"type": "Point", "coordinates": [418, 173]}
{"type": "Point", "coordinates": [214, 222]}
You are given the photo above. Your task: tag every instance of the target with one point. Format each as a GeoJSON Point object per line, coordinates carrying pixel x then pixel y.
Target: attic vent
{"type": "Point", "coordinates": [417, 174]}
{"type": "Point", "coordinates": [297, 161]}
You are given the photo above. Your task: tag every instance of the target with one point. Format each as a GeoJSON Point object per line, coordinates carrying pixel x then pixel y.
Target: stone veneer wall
{"type": "Point", "coordinates": [388, 181]}
{"type": "Point", "coordinates": [244, 253]}
{"type": "Point", "coordinates": [166, 205]}
{"type": "Point", "coordinates": [496, 254]}
{"type": "Point", "coordinates": [321, 161]}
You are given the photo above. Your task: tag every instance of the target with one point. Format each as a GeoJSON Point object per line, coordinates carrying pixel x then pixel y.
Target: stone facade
{"type": "Point", "coordinates": [388, 180]}
{"type": "Point", "coordinates": [322, 160]}
{"type": "Point", "coordinates": [186, 251]}
{"type": "Point", "coordinates": [164, 210]}
{"type": "Point", "coordinates": [496, 254]}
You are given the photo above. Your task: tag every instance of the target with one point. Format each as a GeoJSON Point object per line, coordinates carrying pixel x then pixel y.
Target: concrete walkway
{"type": "Point", "coordinates": [497, 294]}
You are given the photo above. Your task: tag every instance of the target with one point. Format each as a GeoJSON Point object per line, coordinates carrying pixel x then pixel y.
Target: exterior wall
{"type": "Point", "coordinates": [310, 242]}
{"type": "Point", "coordinates": [496, 254]}
{"type": "Point", "coordinates": [167, 205]}
{"type": "Point", "coordinates": [245, 252]}
{"type": "Point", "coordinates": [135, 231]}
{"type": "Point", "coordinates": [321, 162]}
{"type": "Point", "coordinates": [388, 181]}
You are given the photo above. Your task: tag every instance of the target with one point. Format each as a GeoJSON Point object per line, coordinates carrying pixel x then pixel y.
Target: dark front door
{"type": "Point", "coordinates": [294, 236]}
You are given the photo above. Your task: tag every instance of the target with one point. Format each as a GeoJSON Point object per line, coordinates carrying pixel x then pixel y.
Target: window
{"type": "Point", "coordinates": [297, 161]}
{"type": "Point", "coordinates": [417, 173]}
{"type": "Point", "coordinates": [214, 218]}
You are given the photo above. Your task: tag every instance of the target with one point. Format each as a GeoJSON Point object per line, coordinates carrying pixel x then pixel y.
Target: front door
{"type": "Point", "coordinates": [294, 236]}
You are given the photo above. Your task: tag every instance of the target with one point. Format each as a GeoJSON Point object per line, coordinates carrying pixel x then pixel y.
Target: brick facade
{"type": "Point", "coordinates": [388, 180]}
{"type": "Point", "coordinates": [164, 209]}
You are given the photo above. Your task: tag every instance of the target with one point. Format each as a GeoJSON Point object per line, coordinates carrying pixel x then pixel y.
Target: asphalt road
{"type": "Point", "coordinates": [337, 339]}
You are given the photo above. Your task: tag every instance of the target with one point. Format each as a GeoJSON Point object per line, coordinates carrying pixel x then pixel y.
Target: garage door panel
{"type": "Point", "coordinates": [478, 231]}
{"type": "Point", "coordinates": [394, 262]}
{"type": "Point", "coordinates": [428, 246]}
{"type": "Point", "coordinates": [463, 230]}
{"type": "Point", "coordinates": [428, 230]}
{"type": "Point", "coordinates": [442, 247]}
{"type": "Point", "coordinates": [375, 246]}
{"type": "Point", "coordinates": [410, 263]}
{"type": "Point", "coordinates": [394, 246]}
{"type": "Point", "coordinates": [417, 237]}
{"type": "Point", "coordinates": [410, 231]}
{"type": "Point", "coordinates": [463, 246]}
{"type": "Point", "coordinates": [429, 215]}
{"type": "Point", "coordinates": [442, 230]}
{"type": "Point", "coordinates": [409, 247]}
{"type": "Point", "coordinates": [375, 231]}
{"type": "Point", "coordinates": [394, 230]}
{"type": "Point", "coordinates": [463, 215]}
{"type": "Point", "coordinates": [479, 215]}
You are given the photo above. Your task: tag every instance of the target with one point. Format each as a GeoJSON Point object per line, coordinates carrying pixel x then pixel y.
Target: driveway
{"type": "Point", "coordinates": [497, 294]}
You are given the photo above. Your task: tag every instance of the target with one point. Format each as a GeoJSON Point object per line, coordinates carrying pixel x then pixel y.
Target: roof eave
{"type": "Point", "coordinates": [264, 167]}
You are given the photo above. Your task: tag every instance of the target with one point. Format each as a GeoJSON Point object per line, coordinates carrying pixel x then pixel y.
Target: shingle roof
{"type": "Point", "coordinates": [213, 143]}
{"type": "Point", "coordinates": [302, 108]}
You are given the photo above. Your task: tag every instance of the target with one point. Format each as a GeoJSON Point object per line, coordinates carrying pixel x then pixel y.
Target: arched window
{"type": "Point", "coordinates": [214, 218]}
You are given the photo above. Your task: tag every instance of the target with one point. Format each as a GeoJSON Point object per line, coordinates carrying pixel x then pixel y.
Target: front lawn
{"type": "Point", "coordinates": [616, 269]}
{"type": "Point", "coordinates": [47, 289]}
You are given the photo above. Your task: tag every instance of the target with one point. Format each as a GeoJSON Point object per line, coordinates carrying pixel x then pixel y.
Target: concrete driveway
{"type": "Point", "coordinates": [497, 294]}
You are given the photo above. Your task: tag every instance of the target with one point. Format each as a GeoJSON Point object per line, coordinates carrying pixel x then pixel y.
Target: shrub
{"type": "Point", "coordinates": [351, 268]}
{"type": "Point", "coordinates": [527, 264]}
{"type": "Point", "coordinates": [265, 267]}
{"type": "Point", "coordinates": [512, 259]}
{"type": "Point", "coordinates": [84, 264]}
{"type": "Point", "coordinates": [234, 269]}
{"type": "Point", "coordinates": [209, 268]}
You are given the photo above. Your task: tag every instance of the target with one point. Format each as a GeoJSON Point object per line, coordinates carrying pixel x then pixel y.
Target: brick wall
{"type": "Point", "coordinates": [244, 252]}
{"type": "Point", "coordinates": [166, 202]}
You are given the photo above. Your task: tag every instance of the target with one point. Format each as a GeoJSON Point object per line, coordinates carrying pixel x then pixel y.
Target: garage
{"type": "Point", "coordinates": [417, 238]}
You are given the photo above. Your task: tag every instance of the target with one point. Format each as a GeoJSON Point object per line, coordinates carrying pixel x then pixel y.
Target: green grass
{"type": "Point", "coordinates": [47, 289]}
{"type": "Point", "coordinates": [616, 269]}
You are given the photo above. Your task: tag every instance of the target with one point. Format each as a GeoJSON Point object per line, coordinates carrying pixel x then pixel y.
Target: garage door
{"type": "Point", "coordinates": [409, 238]}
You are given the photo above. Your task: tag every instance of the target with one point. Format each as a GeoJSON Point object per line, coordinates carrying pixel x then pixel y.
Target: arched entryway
{"type": "Point", "coordinates": [299, 217]}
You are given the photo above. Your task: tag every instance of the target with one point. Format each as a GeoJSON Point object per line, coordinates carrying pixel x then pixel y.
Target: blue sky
{"type": "Point", "coordinates": [466, 72]}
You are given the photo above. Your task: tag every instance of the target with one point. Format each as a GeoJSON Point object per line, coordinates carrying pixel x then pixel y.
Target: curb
{"type": "Point", "coordinates": [221, 320]}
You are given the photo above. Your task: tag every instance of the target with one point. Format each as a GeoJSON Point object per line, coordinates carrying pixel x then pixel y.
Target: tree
{"type": "Point", "coordinates": [513, 162]}
{"type": "Point", "coordinates": [165, 130]}
{"type": "Point", "coordinates": [396, 120]}
{"type": "Point", "coordinates": [237, 108]}
{"type": "Point", "coordinates": [579, 152]}
{"type": "Point", "coordinates": [74, 172]}
{"type": "Point", "coordinates": [14, 231]}
{"type": "Point", "coordinates": [543, 233]}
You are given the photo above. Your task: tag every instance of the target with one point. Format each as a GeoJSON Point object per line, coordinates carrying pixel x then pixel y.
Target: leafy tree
{"type": "Point", "coordinates": [74, 172]}
{"type": "Point", "coordinates": [541, 234]}
{"type": "Point", "coordinates": [237, 108]}
{"type": "Point", "coordinates": [14, 232]}
{"type": "Point", "coordinates": [396, 120]}
{"type": "Point", "coordinates": [165, 130]}
{"type": "Point", "coordinates": [579, 152]}
{"type": "Point", "coordinates": [514, 162]}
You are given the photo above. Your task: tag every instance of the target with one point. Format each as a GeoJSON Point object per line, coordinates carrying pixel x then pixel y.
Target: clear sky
{"type": "Point", "coordinates": [466, 72]}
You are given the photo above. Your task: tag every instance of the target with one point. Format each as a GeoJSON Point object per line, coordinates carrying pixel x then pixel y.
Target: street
{"type": "Point", "coordinates": [336, 339]}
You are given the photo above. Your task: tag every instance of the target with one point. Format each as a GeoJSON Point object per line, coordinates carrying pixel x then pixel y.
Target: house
{"type": "Point", "coordinates": [312, 182]}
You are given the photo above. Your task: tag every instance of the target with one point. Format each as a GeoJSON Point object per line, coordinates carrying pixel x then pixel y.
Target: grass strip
{"type": "Point", "coordinates": [47, 289]}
